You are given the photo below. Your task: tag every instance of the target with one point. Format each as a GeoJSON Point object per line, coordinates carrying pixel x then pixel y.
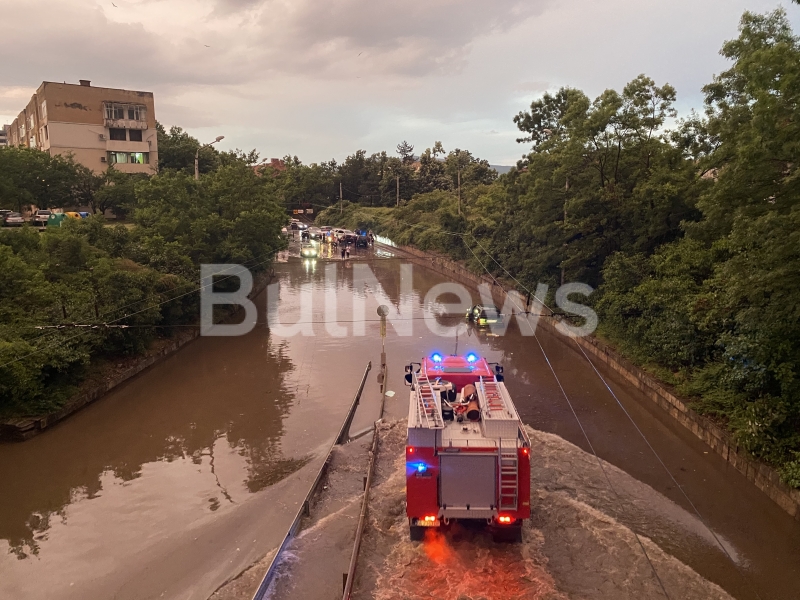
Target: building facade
{"type": "Point", "coordinates": [97, 126]}
{"type": "Point", "coordinates": [4, 135]}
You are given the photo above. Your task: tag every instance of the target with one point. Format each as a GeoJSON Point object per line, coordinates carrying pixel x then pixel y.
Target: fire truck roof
{"type": "Point", "coordinates": [437, 365]}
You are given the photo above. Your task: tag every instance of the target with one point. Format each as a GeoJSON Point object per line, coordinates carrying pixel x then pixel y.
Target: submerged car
{"type": "Point", "coordinates": [309, 251]}
{"type": "Point", "coordinates": [484, 315]}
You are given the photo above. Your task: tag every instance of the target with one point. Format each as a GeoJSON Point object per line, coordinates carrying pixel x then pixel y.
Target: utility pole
{"type": "Point", "coordinates": [398, 190]}
{"type": "Point", "coordinates": [340, 197]}
{"type": "Point", "coordinates": [566, 189]}
{"type": "Point", "coordinates": [459, 192]}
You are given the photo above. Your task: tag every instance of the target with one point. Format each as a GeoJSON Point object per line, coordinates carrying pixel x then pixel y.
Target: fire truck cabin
{"type": "Point", "coordinates": [467, 454]}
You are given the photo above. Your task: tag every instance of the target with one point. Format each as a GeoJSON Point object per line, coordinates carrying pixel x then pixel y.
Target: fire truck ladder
{"type": "Point", "coordinates": [428, 409]}
{"type": "Point", "coordinates": [509, 476]}
{"type": "Point", "coordinates": [494, 398]}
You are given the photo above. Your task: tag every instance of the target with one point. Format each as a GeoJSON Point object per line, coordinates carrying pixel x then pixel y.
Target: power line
{"type": "Point", "coordinates": [120, 308]}
{"type": "Point", "coordinates": [57, 342]}
{"type": "Point", "coordinates": [630, 418]}
{"type": "Point", "coordinates": [583, 430]}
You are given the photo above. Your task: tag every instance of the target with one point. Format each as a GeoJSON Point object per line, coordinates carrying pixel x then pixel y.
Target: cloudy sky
{"type": "Point", "coordinates": [322, 78]}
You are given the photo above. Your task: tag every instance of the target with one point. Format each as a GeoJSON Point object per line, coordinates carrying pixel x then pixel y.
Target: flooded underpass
{"type": "Point", "coordinates": [178, 481]}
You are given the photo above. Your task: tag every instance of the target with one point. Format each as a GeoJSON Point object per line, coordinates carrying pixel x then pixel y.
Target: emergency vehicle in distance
{"type": "Point", "coordinates": [467, 453]}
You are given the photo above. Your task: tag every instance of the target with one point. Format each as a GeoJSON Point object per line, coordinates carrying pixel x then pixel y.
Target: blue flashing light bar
{"type": "Point", "coordinates": [436, 357]}
{"type": "Point", "coordinates": [472, 357]}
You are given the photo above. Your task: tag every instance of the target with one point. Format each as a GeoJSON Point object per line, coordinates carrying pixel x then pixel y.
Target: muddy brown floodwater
{"type": "Point", "coordinates": [177, 481]}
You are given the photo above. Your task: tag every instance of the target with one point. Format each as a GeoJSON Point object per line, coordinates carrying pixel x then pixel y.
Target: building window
{"type": "Point", "coordinates": [32, 141]}
{"type": "Point", "coordinates": [115, 111]}
{"type": "Point", "coordinates": [136, 112]}
{"type": "Point", "coordinates": [134, 158]}
{"type": "Point", "coordinates": [135, 135]}
{"type": "Point", "coordinates": [44, 110]}
{"type": "Point", "coordinates": [31, 123]}
{"type": "Point", "coordinates": [117, 135]}
{"type": "Point", "coordinates": [132, 112]}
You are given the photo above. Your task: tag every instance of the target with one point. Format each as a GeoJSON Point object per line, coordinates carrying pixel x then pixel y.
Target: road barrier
{"type": "Point", "coordinates": [305, 509]}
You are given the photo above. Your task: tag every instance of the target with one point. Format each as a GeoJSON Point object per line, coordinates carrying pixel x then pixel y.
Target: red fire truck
{"type": "Point", "coordinates": [467, 454]}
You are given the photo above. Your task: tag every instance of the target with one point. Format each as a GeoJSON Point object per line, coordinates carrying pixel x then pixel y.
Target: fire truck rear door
{"type": "Point", "coordinates": [468, 480]}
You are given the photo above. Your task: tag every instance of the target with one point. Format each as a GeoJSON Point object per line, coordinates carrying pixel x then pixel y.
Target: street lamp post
{"type": "Point", "coordinates": [197, 156]}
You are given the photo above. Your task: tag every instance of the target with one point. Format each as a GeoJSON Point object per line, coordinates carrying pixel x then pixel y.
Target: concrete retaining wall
{"type": "Point", "coordinates": [764, 477]}
{"type": "Point", "coordinates": [26, 428]}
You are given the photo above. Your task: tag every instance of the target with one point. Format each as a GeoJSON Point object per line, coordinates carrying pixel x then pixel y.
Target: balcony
{"type": "Point", "coordinates": [125, 124]}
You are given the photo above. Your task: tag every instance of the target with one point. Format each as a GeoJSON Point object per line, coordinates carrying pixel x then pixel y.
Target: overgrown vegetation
{"type": "Point", "coordinates": [690, 230]}
{"type": "Point", "coordinates": [86, 273]}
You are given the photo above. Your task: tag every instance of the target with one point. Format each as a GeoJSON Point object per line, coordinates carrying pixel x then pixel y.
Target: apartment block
{"type": "Point", "coordinates": [97, 126]}
{"type": "Point", "coordinates": [4, 135]}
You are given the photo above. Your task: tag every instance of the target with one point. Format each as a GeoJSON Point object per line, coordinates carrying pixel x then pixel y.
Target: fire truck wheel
{"type": "Point", "coordinates": [416, 533]}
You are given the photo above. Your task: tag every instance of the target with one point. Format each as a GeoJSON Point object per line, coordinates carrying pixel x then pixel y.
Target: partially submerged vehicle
{"type": "Point", "coordinates": [309, 251]}
{"type": "Point", "coordinates": [484, 315]}
{"type": "Point", "coordinates": [467, 453]}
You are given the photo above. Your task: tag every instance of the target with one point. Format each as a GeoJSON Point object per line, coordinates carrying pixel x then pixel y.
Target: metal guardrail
{"type": "Point", "coordinates": [351, 571]}
{"type": "Point", "coordinates": [263, 588]}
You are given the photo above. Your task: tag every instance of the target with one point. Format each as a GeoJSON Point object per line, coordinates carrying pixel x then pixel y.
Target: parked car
{"type": "Point", "coordinates": [39, 218]}
{"type": "Point", "coordinates": [13, 219]}
{"type": "Point", "coordinates": [3, 213]}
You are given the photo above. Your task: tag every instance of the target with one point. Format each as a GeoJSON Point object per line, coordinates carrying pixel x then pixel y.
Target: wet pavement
{"type": "Point", "coordinates": [176, 482]}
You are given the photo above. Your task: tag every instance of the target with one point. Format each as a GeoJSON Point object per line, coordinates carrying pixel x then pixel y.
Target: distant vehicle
{"type": "Point", "coordinates": [362, 241]}
{"type": "Point", "coordinates": [484, 315]}
{"type": "Point", "coordinates": [3, 213]}
{"type": "Point", "coordinates": [13, 219]}
{"type": "Point", "coordinates": [308, 251]}
{"type": "Point", "coordinates": [349, 237]}
{"type": "Point", "coordinates": [39, 218]}
{"type": "Point", "coordinates": [315, 233]}
{"type": "Point", "coordinates": [297, 226]}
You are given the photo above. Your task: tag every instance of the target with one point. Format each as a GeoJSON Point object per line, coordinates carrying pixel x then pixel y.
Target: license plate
{"type": "Point", "coordinates": [423, 523]}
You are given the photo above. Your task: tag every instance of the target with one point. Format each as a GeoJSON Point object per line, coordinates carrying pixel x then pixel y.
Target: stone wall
{"type": "Point", "coordinates": [764, 477]}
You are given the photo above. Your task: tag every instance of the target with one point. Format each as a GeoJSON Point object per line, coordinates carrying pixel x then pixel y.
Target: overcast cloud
{"type": "Point", "coordinates": [321, 79]}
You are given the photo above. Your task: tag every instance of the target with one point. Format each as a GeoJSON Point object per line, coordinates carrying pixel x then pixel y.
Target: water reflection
{"type": "Point", "coordinates": [222, 393]}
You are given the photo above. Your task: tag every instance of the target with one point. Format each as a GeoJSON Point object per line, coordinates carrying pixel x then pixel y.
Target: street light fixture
{"type": "Point", "coordinates": [197, 156]}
